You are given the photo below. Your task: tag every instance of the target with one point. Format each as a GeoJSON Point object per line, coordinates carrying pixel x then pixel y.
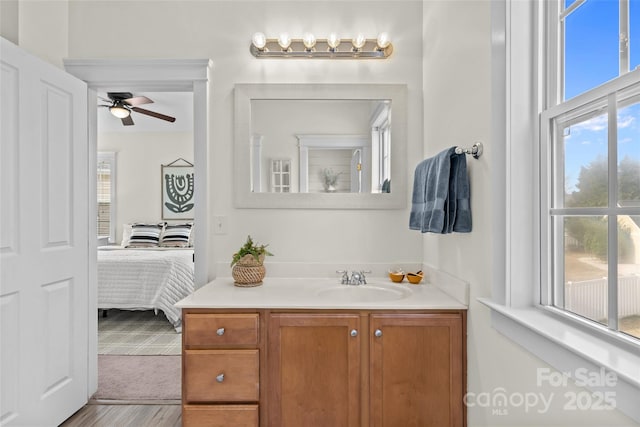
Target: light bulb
{"type": "Point", "coordinates": [119, 111]}
{"type": "Point", "coordinates": [309, 41]}
{"type": "Point", "coordinates": [284, 41]}
{"type": "Point", "coordinates": [259, 40]}
{"type": "Point", "coordinates": [383, 40]}
{"type": "Point", "coordinates": [358, 41]}
{"type": "Point", "coordinates": [333, 41]}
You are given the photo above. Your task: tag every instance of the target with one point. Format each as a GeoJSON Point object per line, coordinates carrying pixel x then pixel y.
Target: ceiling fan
{"type": "Point", "coordinates": [121, 104]}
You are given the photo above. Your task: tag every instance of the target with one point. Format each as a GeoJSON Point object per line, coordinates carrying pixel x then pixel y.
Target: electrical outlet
{"type": "Point", "coordinates": [220, 224]}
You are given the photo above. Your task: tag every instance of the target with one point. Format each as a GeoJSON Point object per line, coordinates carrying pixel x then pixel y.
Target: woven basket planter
{"type": "Point", "coordinates": [248, 272]}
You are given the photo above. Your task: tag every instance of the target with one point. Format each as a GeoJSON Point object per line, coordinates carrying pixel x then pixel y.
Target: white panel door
{"type": "Point", "coordinates": [43, 241]}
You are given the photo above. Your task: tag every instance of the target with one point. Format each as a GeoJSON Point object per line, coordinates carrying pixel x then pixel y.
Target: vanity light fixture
{"type": "Point", "coordinates": [358, 47]}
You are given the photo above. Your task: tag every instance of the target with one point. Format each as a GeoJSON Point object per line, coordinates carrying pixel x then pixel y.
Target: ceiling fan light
{"type": "Point", "coordinates": [119, 111]}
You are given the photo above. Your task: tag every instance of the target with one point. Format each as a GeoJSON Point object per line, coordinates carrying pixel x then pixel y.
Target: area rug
{"type": "Point", "coordinates": [137, 332]}
{"type": "Point", "coordinates": [138, 377]}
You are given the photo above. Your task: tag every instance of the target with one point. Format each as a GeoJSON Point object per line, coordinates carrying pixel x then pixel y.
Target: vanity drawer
{"type": "Point", "coordinates": [221, 330]}
{"type": "Point", "coordinates": [221, 375]}
{"type": "Point", "coordinates": [220, 415]}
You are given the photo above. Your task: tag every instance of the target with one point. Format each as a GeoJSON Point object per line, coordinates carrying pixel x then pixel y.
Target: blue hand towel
{"type": "Point", "coordinates": [417, 198]}
{"type": "Point", "coordinates": [430, 191]}
{"type": "Point", "coordinates": [459, 214]}
{"type": "Point", "coordinates": [440, 199]}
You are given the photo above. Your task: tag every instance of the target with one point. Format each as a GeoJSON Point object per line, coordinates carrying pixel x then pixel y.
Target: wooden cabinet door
{"type": "Point", "coordinates": [313, 370]}
{"type": "Point", "coordinates": [416, 366]}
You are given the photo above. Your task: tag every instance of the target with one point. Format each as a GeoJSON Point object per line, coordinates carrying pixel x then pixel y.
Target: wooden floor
{"type": "Point", "coordinates": [93, 415]}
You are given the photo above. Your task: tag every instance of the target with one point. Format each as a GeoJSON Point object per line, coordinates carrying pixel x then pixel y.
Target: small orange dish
{"type": "Point", "coordinates": [415, 278]}
{"type": "Point", "coordinates": [396, 276]}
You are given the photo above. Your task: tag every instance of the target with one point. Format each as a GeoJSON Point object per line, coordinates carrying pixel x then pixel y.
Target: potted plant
{"type": "Point", "coordinates": [247, 266]}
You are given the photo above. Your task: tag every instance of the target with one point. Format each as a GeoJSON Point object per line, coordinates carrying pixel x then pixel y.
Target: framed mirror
{"type": "Point", "coordinates": [336, 146]}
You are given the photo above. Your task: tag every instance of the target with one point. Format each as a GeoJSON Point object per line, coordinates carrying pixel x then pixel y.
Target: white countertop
{"type": "Point", "coordinates": [318, 293]}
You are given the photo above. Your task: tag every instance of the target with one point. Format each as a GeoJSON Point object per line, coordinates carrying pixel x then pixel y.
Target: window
{"type": "Point", "coordinates": [590, 177]}
{"type": "Point", "coordinates": [106, 171]}
{"type": "Point", "coordinates": [280, 176]}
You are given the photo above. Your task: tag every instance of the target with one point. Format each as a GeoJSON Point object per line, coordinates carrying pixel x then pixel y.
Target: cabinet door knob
{"type": "Point", "coordinates": [220, 331]}
{"type": "Point", "coordinates": [378, 333]}
{"type": "Point", "coordinates": [354, 332]}
{"type": "Point", "coordinates": [220, 378]}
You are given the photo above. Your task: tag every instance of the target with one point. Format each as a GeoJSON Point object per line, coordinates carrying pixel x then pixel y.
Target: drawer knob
{"type": "Point", "coordinates": [354, 332]}
{"type": "Point", "coordinates": [220, 378]}
{"type": "Point", "coordinates": [378, 333]}
{"type": "Point", "coordinates": [220, 332]}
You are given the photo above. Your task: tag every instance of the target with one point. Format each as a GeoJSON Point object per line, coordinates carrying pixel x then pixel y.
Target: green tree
{"type": "Point", "coordinates": [592, 191]}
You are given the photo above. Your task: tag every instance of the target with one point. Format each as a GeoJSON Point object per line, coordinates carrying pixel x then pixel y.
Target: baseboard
{"type": "Point", "coordinates": [133, 402]}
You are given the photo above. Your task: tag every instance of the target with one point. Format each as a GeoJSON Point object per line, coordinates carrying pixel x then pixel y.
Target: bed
{"type": "Point", "coordinates": [145, 279]}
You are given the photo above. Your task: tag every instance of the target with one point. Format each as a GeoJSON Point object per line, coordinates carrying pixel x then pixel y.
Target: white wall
{"type": "Point", "coordinates": [457, 111]}
{"type": "Point", "coordinates": [42, 28]}
{"type": "Point", "coordinates": [139, 158]}
{"type": "Point", "coordinates": [9, 20]}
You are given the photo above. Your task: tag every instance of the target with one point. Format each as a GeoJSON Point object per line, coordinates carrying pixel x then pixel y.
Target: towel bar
{"type": "Point", "coordinates": [475, 150]}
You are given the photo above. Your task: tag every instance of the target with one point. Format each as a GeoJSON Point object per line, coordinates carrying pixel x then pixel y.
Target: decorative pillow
{"type": "Point", "coordinates": [176, 236]}
{"type": "Point", "coordinates": [145, 235]}
{"type": "Point", "coordinates": [126, 234]}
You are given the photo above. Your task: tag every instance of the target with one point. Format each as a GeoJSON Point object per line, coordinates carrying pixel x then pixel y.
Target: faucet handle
{"type": "Point", "coordinates": [363, 278]}
{"type": "Point", "coordinates": [345, 276]}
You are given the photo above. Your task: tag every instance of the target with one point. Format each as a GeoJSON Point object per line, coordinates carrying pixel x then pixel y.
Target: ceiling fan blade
{"type": "Point", "coordinates": [154, 114]}
{"type": "Point", "coordinates": [127, 121]}
{"type": "Point", "coordinates": [137, 100]}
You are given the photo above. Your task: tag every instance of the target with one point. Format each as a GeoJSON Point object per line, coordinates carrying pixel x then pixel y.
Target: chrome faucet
{"type": "Point", "coordinates": [357, 277]}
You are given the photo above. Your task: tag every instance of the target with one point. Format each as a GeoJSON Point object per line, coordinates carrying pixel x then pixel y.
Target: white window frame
{"type": "Point", "coordinates": [110, 158]}
{"type": "Point", "coordinates": [517, 71]}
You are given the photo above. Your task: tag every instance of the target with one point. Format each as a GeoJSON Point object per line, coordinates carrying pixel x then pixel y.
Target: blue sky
{"type": "Point", "coordinates": [591, 58]}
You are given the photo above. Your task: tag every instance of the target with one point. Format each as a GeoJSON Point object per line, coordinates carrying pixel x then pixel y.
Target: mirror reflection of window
{"type": "Point", "coordinates": [280, 176]}
{"type": "Point", "coordinates": [381, 146]}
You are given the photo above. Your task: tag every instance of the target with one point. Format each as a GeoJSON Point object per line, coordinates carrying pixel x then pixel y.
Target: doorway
{"type": "Point", "coordinates": [146, 76]}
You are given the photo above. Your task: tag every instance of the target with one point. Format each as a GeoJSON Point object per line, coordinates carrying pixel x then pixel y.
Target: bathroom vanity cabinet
{"type": "Point", "coordinates": [317, 367]}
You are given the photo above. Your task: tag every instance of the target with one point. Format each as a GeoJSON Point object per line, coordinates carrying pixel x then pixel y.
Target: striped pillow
{"type": "Point", "coordinates": [176, 236]}
{"type": "Point", "coordinates": [145, 235]}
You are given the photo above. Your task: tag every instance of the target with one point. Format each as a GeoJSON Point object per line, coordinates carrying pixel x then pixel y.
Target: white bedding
{"type": "Point", "coordinates": [140, 279]}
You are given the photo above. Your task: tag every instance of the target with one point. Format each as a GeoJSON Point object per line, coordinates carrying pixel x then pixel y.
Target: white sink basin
{"type": "Point", "coordinates": [364, 293]}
